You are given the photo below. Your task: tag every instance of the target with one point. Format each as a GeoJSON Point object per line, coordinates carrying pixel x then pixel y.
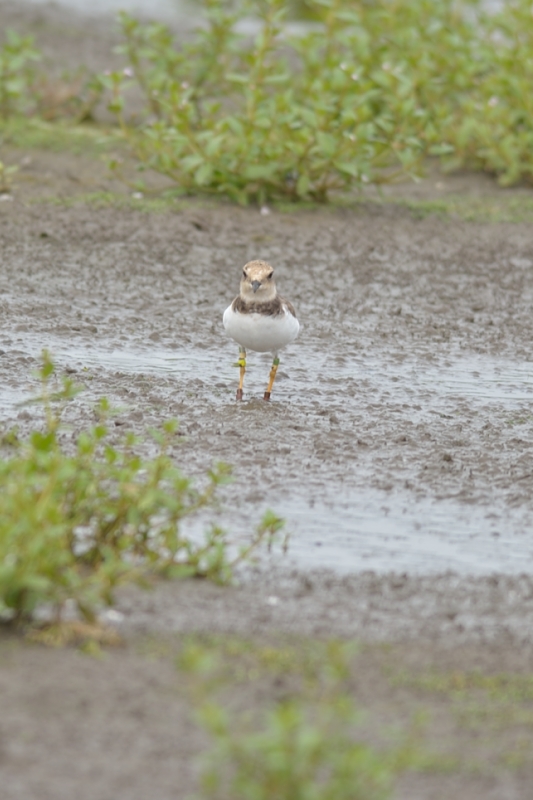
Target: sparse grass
{"type": "Point", "coordinates": [523, 420]}
{"type": "Point", "coordinates": [458, 722]}
{"type": "Point", "coordinates": [490, 209]}
{"type": "Point", "coordinates": [485, 707]}
{"type": "Point", "coordinates": [151, 205]}
{"type": "Point", "coordinates": [498, 205]}
{"type": "Point", "coordinates": [309, 744]}
{"type": "Point", "coordinates": [458, 685]}
{"type": "Point", "coordinates": [495, 207]}
{"type": "Point", "coordinates": [312, 665]}
{"type": "Point", "coordinates": [36, 134]}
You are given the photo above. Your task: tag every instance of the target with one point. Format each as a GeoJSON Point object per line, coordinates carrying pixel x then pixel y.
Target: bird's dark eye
{"type": "Point", "coordinates": [269, 276]}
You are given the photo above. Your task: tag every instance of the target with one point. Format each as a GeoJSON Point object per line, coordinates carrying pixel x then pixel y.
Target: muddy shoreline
{"type": "Point", "coordinates": [398, 445]}
{"type": "Point", "coordinates": [400, 432]}
{"type": "Point", "coordinates": [393, 308]}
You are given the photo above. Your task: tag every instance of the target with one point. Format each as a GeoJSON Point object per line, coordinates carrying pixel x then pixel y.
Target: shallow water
{"type": "Point", "coordinates": [339, 527]}
{"type": "Point", "coordinates": [436, 387]}
{"type": "Point", "coordinates": [380, 531]}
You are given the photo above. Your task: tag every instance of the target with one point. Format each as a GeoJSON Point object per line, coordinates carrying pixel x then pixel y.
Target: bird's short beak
{"type": "Point", "coordinates": [256, 285]}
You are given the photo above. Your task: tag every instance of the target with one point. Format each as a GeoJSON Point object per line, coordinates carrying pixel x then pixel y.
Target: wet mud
{"type": "Point", "coordinates": [397, 445]}
{"type": "Point", "coordinates": [399, 436]}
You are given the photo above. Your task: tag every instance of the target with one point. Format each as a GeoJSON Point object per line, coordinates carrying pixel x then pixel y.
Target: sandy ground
{"type": "Point", "coordinates": [398, 446]}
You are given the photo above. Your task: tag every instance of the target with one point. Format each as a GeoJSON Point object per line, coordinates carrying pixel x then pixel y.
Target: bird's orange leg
{"type": "Point", "coordinates": [242, 364]}
{"type": "Point", "coordinates": [275, 365]}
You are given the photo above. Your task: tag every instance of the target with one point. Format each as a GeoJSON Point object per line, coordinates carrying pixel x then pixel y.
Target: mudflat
{"type": "Point", "coordinates": [397, 446]}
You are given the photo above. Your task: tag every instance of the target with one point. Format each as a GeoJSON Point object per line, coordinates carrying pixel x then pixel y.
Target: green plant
{"type": "Point", "coordinates": [75, 522]}
{"type": "Point", "coordinates": [272, 116]}
{"type": "Point", "coordinates": [492, 127]}
{"type": "Point", "coordinates": [17, 55]}
{"type": "Point", "coordinates": [312, 744]}
{"type": "Point", "coordinates": [294, 753]}
{"type": "Point", "coordinates": [27, 91]}
{"type": "Point", "coordinates": [72, 96]}
{"type": "Point", "coordinates": [6, 177]}
{"type": "Point", "coordinates": [362, 95]}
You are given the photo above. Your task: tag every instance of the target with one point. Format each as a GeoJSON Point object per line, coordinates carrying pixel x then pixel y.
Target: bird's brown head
{"type": "Point", "coordinates": [257, 282]}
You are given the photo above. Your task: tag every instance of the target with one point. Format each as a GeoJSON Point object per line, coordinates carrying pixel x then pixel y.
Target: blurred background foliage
{"type": "Point", "coordinates": [299, 99]}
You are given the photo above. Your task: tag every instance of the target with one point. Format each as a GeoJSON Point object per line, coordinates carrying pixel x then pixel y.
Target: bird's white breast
{"type": "Point", "coordinates": [261, 332]}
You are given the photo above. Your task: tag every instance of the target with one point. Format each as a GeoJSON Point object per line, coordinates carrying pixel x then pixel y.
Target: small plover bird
{"type": "Point", "coordinates": [259, 319]}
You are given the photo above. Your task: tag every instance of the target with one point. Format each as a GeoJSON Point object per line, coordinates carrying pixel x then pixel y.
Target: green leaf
{"type": "Point", "coordinates": [441, 149]}
{"type": "Point", "coordinates": [204, 174]}
{"type": "Point", "coordinates": [254, 171]}
{"type": "Point", "coordinates": [275, 79]}
{"type": "Point", "coordinates": [348, 167]}
{"type": "Point", "coordinates": [235, 77]}
{"type": "Point", "coordinates": [327, 143]}
{"type": "Point", "coordinates": [303, 185]}
{"type": "Point", "coordinates": [214, 145]}
{"type": "Point", "coordinates": [190, 163]}
{"type": "Point", "coordinates": [235, 125]}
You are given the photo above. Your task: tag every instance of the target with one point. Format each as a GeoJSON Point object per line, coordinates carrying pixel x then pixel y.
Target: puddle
{"type": "Point", "coordinates": [11, 397]}
{"type": "Point", "coordinates": [360, 530]}
{"type": "Point", "coordinates": [380, 531]}
{"type": "Point", "coordinates": [481, 380]}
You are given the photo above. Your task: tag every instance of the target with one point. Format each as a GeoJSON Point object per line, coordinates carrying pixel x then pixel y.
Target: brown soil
{"type": "Point", "coordinates": [398, 445]}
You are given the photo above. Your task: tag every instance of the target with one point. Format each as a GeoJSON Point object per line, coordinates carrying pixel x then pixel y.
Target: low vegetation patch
{"type": "Point", "coordinates": [362, 94]}
{"type": "Point", "coordinates": [294, 752]}
{"type": "Point", "coordinates": [282, 714]}
{"type": "Point", "coordinates": [28, 90]}
{"type": "Point", "coordinates": [495, 709]}
{"type": "Point", "coordinates": [307, 743]}
{"type": "Point", "coordinates": [77, 519]}
{"type": "Point", "coordinates": [251, 107]}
